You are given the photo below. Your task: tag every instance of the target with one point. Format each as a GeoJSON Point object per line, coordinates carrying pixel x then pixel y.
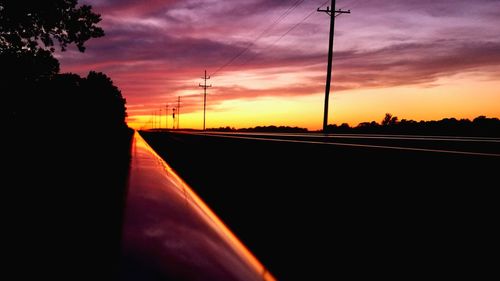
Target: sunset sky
{"type": "Point", "coordinates": [417, 59]}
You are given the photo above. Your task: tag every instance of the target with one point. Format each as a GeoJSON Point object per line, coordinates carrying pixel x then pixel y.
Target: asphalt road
{"type": "Point", "coordinates": [480, 146]}
{"type": "Point", "coordinates": [316, 207]}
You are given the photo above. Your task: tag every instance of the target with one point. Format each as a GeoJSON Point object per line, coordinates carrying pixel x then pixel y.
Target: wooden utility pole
{"type": "Point", "coordinates": [205, 86]}
{"type": "Point", "coordinates": [178, 112]}
{"type": "Point", "coordinates": [173, 118]}
{"type": "Point", "coordinates": [332, 13]}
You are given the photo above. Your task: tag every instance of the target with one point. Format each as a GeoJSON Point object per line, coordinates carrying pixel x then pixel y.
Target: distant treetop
{"type": "Point", "coordinates": [26, 24]}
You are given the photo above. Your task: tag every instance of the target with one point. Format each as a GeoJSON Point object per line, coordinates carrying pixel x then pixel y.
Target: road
{"type": "Point", "coordinates": [375, 206]}
{"type": "Point", "coordinates": [480, 146]}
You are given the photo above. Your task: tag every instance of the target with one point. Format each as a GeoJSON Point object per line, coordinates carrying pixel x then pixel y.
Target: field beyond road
{"type": "Point", "coordinates": [319, 207]}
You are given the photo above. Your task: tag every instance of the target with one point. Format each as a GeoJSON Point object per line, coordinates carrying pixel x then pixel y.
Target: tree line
{"type": "Point", "coordinates": [270, 129]}
{"type": "Point", "coordinates": [390, 124]}
{"type": "Point", "coordinates": [479, 126]}
{"type": "Point", "coordinates": [66, 147]}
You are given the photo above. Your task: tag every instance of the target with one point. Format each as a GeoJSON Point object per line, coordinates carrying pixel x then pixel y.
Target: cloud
{"type": "Point", "coordinates": [129, 7]}
{"type": "Point", "coordinates": [411, 64]}
{"type": "Point", "coordinates": [156, 50]}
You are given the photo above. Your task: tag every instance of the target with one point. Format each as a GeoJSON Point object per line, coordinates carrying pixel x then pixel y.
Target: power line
{"type": "Point", "coordinates": [287, 12]}
{"type": "Point", "coordinates": [280, 18]}
{"type": "Point", "coordinates": [297, 24]}
{"type": "Point", "coordinates": [267, 29]}
{"type": "Point", "coordinates": [175, 110]}
{"type": "Point", "coordinates": [271, 46]}
{"type": "Point", "coordinates": [173, 118]}
{"type": "Point", "coordinates": [294, 26]}
{"type": "Point", "coordinates": [178, 111]}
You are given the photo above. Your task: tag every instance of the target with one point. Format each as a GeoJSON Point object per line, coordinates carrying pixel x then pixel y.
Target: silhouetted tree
{"type": "Point", "coordinates": [368, 127]}
{"type": "Point", "coordinates": [20, 74]}
{"type": "Point", "coordinates": [23, 25]}
{"type": "Point", "coordinates": [389, 120]}
{"type": "Point", "coordinates": [331, 128]}
{"type": "Point", "coordinates": [27, 35]}
{"type": "Point", "coordinates": [88, 103]}
{"type": "Point", "coordinates": [104, 102]}
{"type": "Point", "coordinates": [344, 128]}
{"type": "Point", "coordinates": [68, 145]}
{"type": "Point", "coordinates": [27, 65]}
{"type": "Point", "coordinates": [372, 124]}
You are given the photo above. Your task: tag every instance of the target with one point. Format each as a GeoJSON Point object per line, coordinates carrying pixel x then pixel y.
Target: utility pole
{"type": "Point", "coordinates": [204, 86]}
{"type": "Point", "coordinates": [173, 118]}
{"type": "Point", "coordinates": [332, 13]}
{"type": "Point", "coordinates": [159, 120]}
{"type": "Point", "coordinates": [178, 111]}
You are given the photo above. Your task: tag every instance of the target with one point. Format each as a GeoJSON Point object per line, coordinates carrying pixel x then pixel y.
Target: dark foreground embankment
{"type": "Point", "coordinates": [319, 212]}
{"type": "Point", "coordinates": [63, 194]}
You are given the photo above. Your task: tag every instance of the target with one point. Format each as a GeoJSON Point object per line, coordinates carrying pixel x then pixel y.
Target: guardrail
{"type": "Point", "coordinates": [170, 233]}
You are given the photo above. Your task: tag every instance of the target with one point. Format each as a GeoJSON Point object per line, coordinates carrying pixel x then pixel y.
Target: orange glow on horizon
{"type": "Point", "coordinates": [460, 96]}
{"type": "Point", "coordinates": [270, 68]}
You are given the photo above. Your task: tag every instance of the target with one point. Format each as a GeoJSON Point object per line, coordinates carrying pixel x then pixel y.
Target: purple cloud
{"type": "Point", "coordinates": [155, 50]}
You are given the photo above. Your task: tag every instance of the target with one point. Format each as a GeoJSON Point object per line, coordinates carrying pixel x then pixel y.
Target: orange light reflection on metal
{"type": "Point", "coordinates": [204, 210]}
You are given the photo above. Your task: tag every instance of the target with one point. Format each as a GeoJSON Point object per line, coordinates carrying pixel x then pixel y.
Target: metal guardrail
{"type": "Point", "coordinates": [169, 232]}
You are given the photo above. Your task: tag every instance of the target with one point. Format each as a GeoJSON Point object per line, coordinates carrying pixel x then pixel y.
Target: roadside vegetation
{"type": "Point", "coordinates": [480, 126]}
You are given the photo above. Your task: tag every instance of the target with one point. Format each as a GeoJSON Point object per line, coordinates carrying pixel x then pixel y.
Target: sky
{"type": "Point", "coordinates": [416, 59]}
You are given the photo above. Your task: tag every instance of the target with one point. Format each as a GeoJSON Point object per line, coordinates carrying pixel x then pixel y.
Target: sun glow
{"type": "Point", "coordinates": [459, 97]}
